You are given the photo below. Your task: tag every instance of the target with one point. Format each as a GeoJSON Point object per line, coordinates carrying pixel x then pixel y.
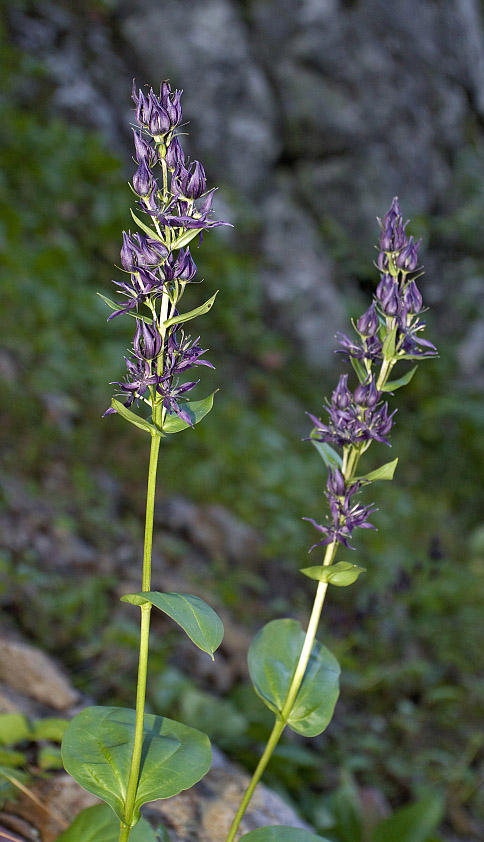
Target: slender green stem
{"type": "Point", "coordinates": [143, 651]}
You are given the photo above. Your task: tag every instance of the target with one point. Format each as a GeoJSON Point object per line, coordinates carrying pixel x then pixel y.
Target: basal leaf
{"type": "Point", "coordinates": [273, 658]}
{"type": "Point", "coordinates": [192, 314]}
{"type": "Point", "coordinates": [386, 471]}
{"type": "Point", "coordinates": [126, 413]}
{"type": "Point", "coordinates": [341, 574]}
{"type": "Point", "coordinates": [100, 824]}
{"type": "Point", "coordinates": [196, 410]}
{"type": "Point", "coordinates": [200, 622]}
{"type": "Point", "coordinates": [97, 750]}
{"type": "Point", "coordinates": [330, 456]}
{"type": "Point", "coordinates": [281, 834]}
{"type": "Point", "coordinates": [402, 381]}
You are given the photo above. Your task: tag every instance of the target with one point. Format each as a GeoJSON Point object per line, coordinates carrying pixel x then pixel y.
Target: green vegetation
{"type": "Point", "coordinates": [407, 633]}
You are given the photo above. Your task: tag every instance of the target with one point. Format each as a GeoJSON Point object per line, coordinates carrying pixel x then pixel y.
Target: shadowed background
{"type": "Point", "coordinates": [309, 116]}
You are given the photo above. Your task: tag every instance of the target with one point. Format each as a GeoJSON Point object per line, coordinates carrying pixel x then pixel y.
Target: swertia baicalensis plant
{"type": "Point", "coordinates": [127, 757]}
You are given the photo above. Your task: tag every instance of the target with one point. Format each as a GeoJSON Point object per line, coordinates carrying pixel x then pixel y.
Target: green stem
{"type": "Point", "coordinates": [126, 823]}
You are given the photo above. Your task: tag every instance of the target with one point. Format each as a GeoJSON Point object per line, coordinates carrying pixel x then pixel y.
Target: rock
{"type": "Point", "coordinates": [30, 671]}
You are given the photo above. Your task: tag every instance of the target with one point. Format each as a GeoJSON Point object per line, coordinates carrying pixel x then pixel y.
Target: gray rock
{"type": "Point", "coordinates": [28, 670]}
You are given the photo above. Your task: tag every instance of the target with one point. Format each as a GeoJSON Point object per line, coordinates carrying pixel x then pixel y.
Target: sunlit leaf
{"type": "Point", "coordinates": [273, 658]}
{"type": "Point", "coordinates": [200, 622]}
{"type": "Point", "coordinates": [330, 456]}
{"type": "Point", "coordinates": [192, 314]}
{"type": "Point", "coordinates": [386, 472]}
{"type": "Point", "coordinates": [393, 385]}
{"type": "Point", "coordinates": [281, 834]}
{"type": "Point", "coordinates": [196, 410]}
{"type": "Point", "coordinates": [126, 413]}
{"type": "Point", "coordinates": [341, 574]}
{"type": "Point", "coordinates": [98, 746]}
{"type": "Point", "coordinates": [414, 823]}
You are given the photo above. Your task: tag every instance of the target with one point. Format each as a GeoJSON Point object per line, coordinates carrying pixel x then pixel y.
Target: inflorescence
{"type": "Point", "coordinates": [389, 331]}
{"type": "Point", "coordinates": [158, 262]}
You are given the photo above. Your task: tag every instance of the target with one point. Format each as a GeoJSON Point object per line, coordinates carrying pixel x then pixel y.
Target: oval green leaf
{"type": "Point", "coordinates": [98, 746]}
{"type": "Point", "coordinates": [273, 658]}
{"type": "Point", "coordinates": [100, 824]}
{"type": "Point", "coordinates": [200, 622]}
{"type": "Point", "coordinates": [192, 314]}
{"type": "Point", "coordinates": [281, 834]}
{"type": "Point", "coordinates": [196, 410]}
{"type": "Point", "coordinates": [341, 574]}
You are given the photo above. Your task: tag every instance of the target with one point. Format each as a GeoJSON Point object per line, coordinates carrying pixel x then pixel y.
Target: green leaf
{"type": "Point", "coordinates": [52, 728]}
{"type": "Point", "coordinates": [386, 471]}
{"type": "Point", "coordinates": [192, 314]}
{"type": "Point", "coordinates": [100, 824]}
{"type": "Point", "coordinates": [146, 228]}
{"type": "Point", "coordinates": [196, 410]}
{"type": "Point", "coordinates": [98, 746]}
{"type": "Point", "coordinates": [186, 238]}
{"type": "Point", "coordinates": [360, 369]}
{"type": "Point", "coordinates": [49, 757]}
{"type": "Point", "coordinates": [388, 347]}
{"type": "Point", "coordinates": [10, 757]}
{"type": "Point", "coordinates": [126, 413]}
{"type": "Point", "coordinates": [414, 823]}
{"type": "Point", "coordinates": [200, 622]}
{"type": "Point", "coordinates": [273, 658]}
{"type": "Point", "coordinates": [13, 728]}
{"type": "Point", "coordinates": [281, 834]}
{"type": "Point", "coordinates": [330, 456]}
{"type": "Point", "coordinates": [392, 385]}
{"type": "Point", "coordinates": [340, 574]}
{"type": "Point", "coordinates": [115, 306]}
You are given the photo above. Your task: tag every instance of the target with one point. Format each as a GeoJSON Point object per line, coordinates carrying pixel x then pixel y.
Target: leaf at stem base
{"type": "Point", "coordinates": [100, 824]}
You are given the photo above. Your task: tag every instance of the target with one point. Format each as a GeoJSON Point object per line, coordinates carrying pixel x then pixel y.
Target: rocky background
{"type": "Point", "coordinates": [310, 115]}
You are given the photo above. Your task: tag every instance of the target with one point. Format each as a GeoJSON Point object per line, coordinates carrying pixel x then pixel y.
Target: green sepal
{"type": "Point", "coordinates": [330, 457]}
{"type": "Point", "coordinates": [192, 314]}
{"type": "Point", "coordinates": [197, 619]}
{"type": "Point", "coordinates": [196, 410]}
{"type": "Point", "coordinates": [388, 347]}
{"type": "Point", "coordinates": [386, 472]}
{"type": "Point", "coordinates": [273, 657]}
{"type": "Point", "coordinates": [392, 385]}
{"type": "Point", "coordinates": [98, 746]}
{"type": "Point", "coordinates": [100, 824]}
{"type": "Point", "coordinates": [279, 833]}
{"type": "Point", "coordinates": [149, 231]}
{"type": "Point", "coordinates": [142, 423]}
{"type": "Point", "coordinates": [341, 574]}
{"type": "Point", "coordinates": [115, 306]}
{"type": "Point", "coordinates": [360, 369]}
{"type": "Point", "coordinates": [186, 238]}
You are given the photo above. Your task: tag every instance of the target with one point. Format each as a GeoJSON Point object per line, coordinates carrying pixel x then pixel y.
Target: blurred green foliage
{"type": "Point", "coordinates": [407, 634]}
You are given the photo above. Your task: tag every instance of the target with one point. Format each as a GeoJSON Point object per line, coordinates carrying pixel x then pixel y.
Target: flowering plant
{"type": "Point", "coordinates": [127, 757]}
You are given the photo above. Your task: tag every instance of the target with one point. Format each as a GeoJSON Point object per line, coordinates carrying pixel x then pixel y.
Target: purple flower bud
{"type": "Point", "coordinates": [128, 259]}
{"type": "Point", "coordinates": [159, 122]}
{"type": "Point", "coordinates": [390, 301]}
{"type": "Point", "coordinates": [143, 150]}
{"type": "Point", "coordinates": [366, 394]}
{"type": "Point", "coordinates": [143, 107]}
{"type": "Point", "coordinates": [407, 259]}
{"type": "Point", "coordinates": [147, 341]}
{"type": "Point", "coordinates": [143, 180]}
{"type": "Point", "coordinates": [386, 284]}
{"type": "Point", "coordinates": [412, 298]}
{"type": "Point", "coordinates": [185, 266]}
{"type": "Point", "coordinates": [367, 324]}
{"type": "Point", "coordinates": [341, 397]}
{"type": "Point", "coordinates": [173, 108]}
{"type": "Point", "coordinates": [179, 179]}
{"type": "Point", "coordinates": [174, 154]}
{"type": "Point", "coordinates": [336, 483]}
{"type": "Point", "coordinates": [196, 181]}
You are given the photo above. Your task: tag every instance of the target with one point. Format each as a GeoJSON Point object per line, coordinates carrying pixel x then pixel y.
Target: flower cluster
{"type": "Point", "coordinates": [158, 263]}
{"type": "Point", "coordinates": [389, 331]}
